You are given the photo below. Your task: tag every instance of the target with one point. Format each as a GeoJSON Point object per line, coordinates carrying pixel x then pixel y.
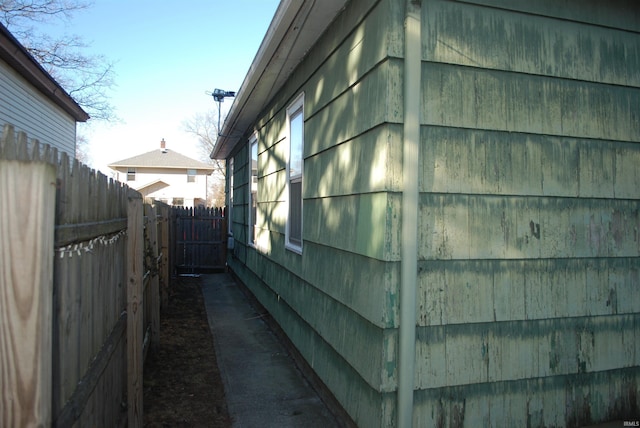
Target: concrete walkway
{"type": "Point", "coordinates": [262, 385]}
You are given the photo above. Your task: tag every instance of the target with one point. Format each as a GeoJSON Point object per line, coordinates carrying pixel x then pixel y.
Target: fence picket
{"type": "Point", "coordinates": [163, 236]}
{"type": "Point", "coordinates": [135, 332]}
{"type": "Point", "coordinates": [35, 151]}
{"type": "Point", "coordinates": [92, 319]}
{"type": "Point", "coordinates": [23, 146]}
{"type": "Point", "coordinates": [154, 286]}
{"type": "Point", "coordinates": [25, 292]}
{"type": "Point", "coordinates": [9, 145]}
{"type": "Point", "coordinates": [199, 239]}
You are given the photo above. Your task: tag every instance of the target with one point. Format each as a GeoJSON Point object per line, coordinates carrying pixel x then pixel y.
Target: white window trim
{"type": "Point", "coordinates": [298, 103]}
{"type": "Point", "coordinates": [252, 140]}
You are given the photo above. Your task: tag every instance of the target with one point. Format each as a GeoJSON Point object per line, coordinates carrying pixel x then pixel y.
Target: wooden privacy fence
{"type": "Point", "coordinates": [163, 218]}
{"type": "Point", "coordinates": [80, 274]}
{"type": "Point", "coordinates": [199, 239]}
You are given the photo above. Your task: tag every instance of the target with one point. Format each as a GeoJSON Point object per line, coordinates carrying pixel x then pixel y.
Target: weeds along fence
{"type": "Point", "coordinates": [81, 269]}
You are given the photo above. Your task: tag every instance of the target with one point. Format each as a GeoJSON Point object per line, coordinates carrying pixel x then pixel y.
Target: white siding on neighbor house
{"type": "Point", "coordinates": [178, 186]}
{"type": "Point", "coordinates": [30, 111]}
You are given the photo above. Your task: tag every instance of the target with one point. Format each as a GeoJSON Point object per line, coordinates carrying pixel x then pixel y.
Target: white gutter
{"type": "Point", "coordinates": [410, 207]}
{"type": "Point", "coordinates": [276, 33]}
{"type": "Point", "coordinates": [295, 27]}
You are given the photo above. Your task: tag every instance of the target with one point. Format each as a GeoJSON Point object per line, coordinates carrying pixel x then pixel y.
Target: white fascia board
{"type": "Point", "coordinates": [295, 27]}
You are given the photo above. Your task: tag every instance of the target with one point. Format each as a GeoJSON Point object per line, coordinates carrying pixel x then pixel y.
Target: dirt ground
{"type": "Point", "coordinates": [182, 384]}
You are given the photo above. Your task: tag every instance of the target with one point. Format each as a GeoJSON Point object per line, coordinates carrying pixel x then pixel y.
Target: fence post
{"type": "Point", "coordinates": [172, 240]}
{"type": "Point", "coordinates": [135, 308]}
{"type": "Point", "coordinates": [27, 225]}
{"type": "Point", "coordinates": [152, 236]}
{"type": "Point", "coordinates": [164, 248]}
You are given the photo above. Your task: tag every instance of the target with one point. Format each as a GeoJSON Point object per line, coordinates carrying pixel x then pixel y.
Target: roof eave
{"type": "Point", "coordinates": [16, 55]}
{"type": "Point", "coordinates": [295, 27]}
{"type": "Point", "coordinates": [135, 165]}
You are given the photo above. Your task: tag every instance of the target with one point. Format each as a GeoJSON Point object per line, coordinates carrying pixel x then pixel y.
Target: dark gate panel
{"type": "Point", "coordinates": [200, 239]}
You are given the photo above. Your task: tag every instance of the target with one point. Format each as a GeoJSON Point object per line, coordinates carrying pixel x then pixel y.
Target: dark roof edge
{"type": "Point", "coordinates": [137, 165]}
{"type": "Point", "coordinates": [173, 159]}
{"type": "Point", "coordinates": [17, 56]}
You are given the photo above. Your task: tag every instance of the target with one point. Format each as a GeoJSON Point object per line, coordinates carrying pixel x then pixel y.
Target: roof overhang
{"type": "Point", "coordinates": [295, 27]}
{"type": "Point", "coordinates": [157, 183]}
{"type": "Point", "coordinates": [14, 54]}
{"type": "Point", "coordinates": [208, 170]}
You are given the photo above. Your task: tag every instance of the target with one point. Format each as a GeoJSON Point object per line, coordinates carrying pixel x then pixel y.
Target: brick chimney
{"type": "Point", "coordinates": [163, 146]}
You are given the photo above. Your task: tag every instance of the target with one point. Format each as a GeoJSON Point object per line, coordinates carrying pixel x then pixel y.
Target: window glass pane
{"type": "Point", "coordinates": [295, 212]}
{"type": "Point", "coordinates": [191, 176]}
{"type": "Point", "coordinates": [254, 166]}
{"type": "Point", "coordinates": [254, 191]}
{"type": "Point", "coordinates": [295, 168]}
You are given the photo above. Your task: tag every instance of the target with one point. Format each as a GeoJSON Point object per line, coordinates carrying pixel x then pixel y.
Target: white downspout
{"type": "Point", "coordinates": [410, 207]}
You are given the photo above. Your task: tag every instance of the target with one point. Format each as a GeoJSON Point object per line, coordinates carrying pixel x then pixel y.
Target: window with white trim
{"type": "Point", "coordinates": [295, 168]}
{"type": "Point", "coordinates": [253, 188]}
{"type": "Point", "coordinates": [191, 176]}
{"type": "Point", "coordinates": [131, 174]}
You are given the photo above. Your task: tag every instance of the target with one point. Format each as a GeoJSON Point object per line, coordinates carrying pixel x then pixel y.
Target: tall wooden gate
{"type": "Point", "coordinates": [200, 239]}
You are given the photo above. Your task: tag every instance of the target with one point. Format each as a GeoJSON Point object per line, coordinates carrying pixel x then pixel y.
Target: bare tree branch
{"type": "Point", "coordinates": [87, 78]}
{"type": "Point", "coordinates": [13, 11]}
{"type": "Point", "coordinates": [205, 127]}
{"type": "Point", "coordinates": [82, 149]}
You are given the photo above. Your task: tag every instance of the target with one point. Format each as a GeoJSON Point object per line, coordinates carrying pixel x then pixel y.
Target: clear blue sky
{"type": "Point", "coordinates": [166, 57]}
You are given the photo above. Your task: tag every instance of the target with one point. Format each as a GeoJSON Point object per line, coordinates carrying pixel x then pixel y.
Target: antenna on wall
{"type": "Point", "coordinates": [218, 96]}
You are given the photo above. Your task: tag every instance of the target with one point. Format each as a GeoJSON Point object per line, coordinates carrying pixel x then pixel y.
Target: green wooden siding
{"type": "Point", "coordinates": [496, 162]}
{"type": "Point", "coordinates": [528, 242]}
{"type": "Point", "coordinates": [532, 43]}
{"type": "Point", "coordinates": [528, 253]}
{"type": "Point", "coordinates": [456, 96]}
{"type": "Point", "coordinates": [541, 402]}
{"type": "Point", "coordinates": [338, 299]}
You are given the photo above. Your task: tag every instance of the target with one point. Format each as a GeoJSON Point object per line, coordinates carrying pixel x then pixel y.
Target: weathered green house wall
{"type": "Point", "coordinates": [529, 283]}
{"type": "Point", "coordinates": [528, 243]}
{"type": "Point", "coordinates": [337, 300]}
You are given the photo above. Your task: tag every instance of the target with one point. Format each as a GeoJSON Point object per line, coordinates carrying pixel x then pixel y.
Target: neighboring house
{"type": "Point", "coordinates": [166, 176]}
{"type": "Point", "coordinates": [32, 101]}
{"type": "Point", "coordinates": [444, 212]}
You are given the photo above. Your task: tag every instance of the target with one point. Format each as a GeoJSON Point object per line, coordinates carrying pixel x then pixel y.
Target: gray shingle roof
{"type": "Point", "coordinates": [161, 159]}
